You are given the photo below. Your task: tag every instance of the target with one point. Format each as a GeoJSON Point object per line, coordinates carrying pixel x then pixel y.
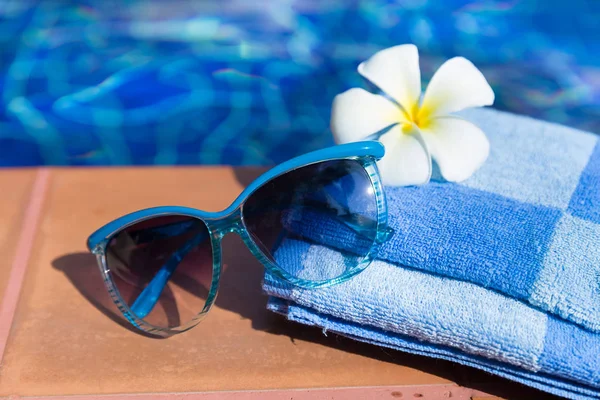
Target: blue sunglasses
{"type": "Point", "coordinates": [162, 265]}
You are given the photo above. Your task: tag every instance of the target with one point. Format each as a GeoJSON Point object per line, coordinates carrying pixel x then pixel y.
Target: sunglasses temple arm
{"type": "Point", "coordinates": [356, 226]}
{"type": "Point", "coordinates": [366, 232]}
{"type": "Point", "coordinates": [147, 299]}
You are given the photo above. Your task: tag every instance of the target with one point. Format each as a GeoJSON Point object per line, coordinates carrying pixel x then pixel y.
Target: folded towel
{"type": "Point", "coordinates": [501, 272]}
{"type": "Point", "coordinates": [527, 224]}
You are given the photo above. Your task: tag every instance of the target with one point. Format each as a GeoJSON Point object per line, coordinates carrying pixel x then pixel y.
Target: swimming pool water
{"type": "Point", "coordinates": [251, 82]}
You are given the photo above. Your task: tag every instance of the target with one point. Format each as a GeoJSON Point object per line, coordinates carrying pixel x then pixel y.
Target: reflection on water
{"type": "Point", "coordinates": [251, 82]}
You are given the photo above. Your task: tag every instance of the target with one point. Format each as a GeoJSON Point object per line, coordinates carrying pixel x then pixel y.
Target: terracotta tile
{"type": "Point", "coordinates": [15, 188]}
{"type": "Point", "coordinates": [67, 337]}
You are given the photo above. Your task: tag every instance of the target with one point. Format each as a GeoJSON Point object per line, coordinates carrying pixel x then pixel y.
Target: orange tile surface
{"type": "Point", "coordinates": [68, 339]}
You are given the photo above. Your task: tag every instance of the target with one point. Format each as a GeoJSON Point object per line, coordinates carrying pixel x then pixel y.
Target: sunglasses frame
{"type": "Point", "coordinates": [231, 220]}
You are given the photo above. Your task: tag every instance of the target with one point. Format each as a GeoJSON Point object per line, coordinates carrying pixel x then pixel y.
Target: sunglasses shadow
{"type": "Point", "coordinates": [82, 270]}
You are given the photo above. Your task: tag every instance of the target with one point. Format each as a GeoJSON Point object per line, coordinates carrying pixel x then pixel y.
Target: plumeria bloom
{"type": "Point", "coordinates": [421, 128]}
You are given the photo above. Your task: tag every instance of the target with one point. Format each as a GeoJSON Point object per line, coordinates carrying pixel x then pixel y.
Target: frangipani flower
{"type": "Point", "coordinates": [421, 128]}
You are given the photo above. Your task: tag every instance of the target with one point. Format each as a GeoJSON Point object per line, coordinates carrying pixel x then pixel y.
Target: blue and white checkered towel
{"type": "Point", "coordinates": [501, 272]}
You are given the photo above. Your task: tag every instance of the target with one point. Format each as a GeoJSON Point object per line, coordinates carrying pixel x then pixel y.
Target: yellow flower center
{"type": "Point", "coordinates": [416, 116]}
{"type": "Point", "coordinates": [412, 118]}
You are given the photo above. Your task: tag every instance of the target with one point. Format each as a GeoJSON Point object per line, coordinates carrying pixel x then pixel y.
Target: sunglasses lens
{"type": "Point", "coordinates": [162, 268]}
{"type": "Point", "coordinates": [318, 222]}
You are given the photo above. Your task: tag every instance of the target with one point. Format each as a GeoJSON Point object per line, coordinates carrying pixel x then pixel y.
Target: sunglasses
{"type": "Point", "coordinates": [162, 265]}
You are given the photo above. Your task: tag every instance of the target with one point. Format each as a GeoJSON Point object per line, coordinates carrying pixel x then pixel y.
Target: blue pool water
{"type": "Point", "coordinates": [251, 82]}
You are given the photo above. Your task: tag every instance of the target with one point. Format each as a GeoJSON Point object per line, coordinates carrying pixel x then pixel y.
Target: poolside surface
{"type": "Point", "coordinates": [60, 335]}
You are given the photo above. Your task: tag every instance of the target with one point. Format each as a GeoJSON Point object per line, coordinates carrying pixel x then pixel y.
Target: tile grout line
{"type": "Point", "coordinates": [31, 218]}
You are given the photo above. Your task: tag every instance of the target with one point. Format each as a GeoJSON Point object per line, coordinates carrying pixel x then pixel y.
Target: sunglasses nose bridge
{"type": "Point", "coordinates": [227, 224]}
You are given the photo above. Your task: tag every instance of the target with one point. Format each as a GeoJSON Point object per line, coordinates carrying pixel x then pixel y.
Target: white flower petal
{"type": "Point", "coordinates": [395, 71]}
{"type": "Point", "coordinates": [406, 161]}
{"type": "Point", "coordinates": [456, 85]}
{"type": "Point", "coordinates": [458, 146]}
{"type": "Point", "coordinates": [356, 114]}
